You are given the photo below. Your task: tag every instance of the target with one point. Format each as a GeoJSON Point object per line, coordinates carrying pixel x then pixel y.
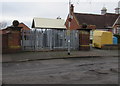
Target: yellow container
{"type": "Point", "coordinates": [102, 37]}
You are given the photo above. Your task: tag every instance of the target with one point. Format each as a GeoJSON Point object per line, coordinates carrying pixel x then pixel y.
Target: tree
{"type": "Point", "coordinates": [3, 24]}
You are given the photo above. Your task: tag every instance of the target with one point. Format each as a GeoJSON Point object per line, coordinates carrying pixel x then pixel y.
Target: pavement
{"type": "Point", "coordinates": [31, 56]}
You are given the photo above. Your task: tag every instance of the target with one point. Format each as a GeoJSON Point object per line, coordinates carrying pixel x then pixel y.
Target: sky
{"type": "Point", "coordinates": [26, 10]}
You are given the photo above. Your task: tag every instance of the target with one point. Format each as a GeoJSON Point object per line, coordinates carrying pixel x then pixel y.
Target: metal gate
{"type": "Point", "coordinates": [48, 39]}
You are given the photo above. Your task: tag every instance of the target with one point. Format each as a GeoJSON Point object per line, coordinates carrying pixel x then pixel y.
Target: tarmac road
{"type": "Point", "coordinates": [101, 70]}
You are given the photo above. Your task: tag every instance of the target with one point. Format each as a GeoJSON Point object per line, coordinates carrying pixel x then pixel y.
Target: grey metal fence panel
{"type": "Point", "coordinates": [50, 39]}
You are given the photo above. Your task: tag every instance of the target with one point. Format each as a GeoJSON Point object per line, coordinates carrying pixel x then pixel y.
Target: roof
{"type": "Point", "coordinates": [118, 21]}
{"type": "Point", "coordinates": [43, 23]}
{"type": "Point", "coordinates": [24, 27]}
{"type": "Point", "coordinates": [20, 26]}
{"type": "Point", "coordinates": [101, 21]}
{"type": "Point", "coordinates": [4, 31]}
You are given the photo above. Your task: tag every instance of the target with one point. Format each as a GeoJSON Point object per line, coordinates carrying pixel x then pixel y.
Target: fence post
{"type": "Point", "coordinates": [35, 40]}
{"type": "Point", "coordinates": [22, 39]}
{"type": "Point", "coordinates": [50, 39]}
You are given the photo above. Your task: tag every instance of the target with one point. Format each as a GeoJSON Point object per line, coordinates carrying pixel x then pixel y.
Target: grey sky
{"type": "Point", "coordinates": [25, 11]}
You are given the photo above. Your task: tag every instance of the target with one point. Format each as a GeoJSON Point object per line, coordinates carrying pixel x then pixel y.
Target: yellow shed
{"type": "Point", "coordinates": [102, 37]}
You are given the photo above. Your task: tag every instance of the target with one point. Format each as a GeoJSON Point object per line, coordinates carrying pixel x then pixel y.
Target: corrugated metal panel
{"type": "Point", "coordinates": [48, 23]}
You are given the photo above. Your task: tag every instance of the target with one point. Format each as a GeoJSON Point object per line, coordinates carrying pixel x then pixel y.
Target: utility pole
{"type": "Point", "coordinates": [119, 7]}
{"type": "Point", "coordinates": [68, 31]}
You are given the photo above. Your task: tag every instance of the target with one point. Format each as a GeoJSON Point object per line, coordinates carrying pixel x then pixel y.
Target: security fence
{"type": "Point", "coordinates": [49, 39]}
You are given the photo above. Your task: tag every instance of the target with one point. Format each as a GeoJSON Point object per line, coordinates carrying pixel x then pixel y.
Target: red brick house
{"type": "Point", "coordinates": [94, 21]}
{"type": "Point", "coordinates": [104, 21]}
{"type": "Point", "coordinates": [11, 38]}
{"type": "Point", "coordinates": [24, 27]}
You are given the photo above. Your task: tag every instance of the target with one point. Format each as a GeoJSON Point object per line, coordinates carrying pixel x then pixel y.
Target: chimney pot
{"type": "Point", "coordinates": [71, 9]}
{"type": "Point", "coordinates": [103, 11]}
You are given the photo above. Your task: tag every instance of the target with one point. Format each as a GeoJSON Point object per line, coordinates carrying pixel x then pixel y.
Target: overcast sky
{"type": "Point", "coordinates": [26, 10]}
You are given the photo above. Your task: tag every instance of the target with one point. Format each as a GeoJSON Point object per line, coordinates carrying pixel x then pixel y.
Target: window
{"type": "Point", "coordinates": [118, 30]}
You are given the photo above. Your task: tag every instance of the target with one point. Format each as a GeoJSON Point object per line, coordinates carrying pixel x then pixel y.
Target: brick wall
{"type": "Point", "coordinates": [74, 24]}
{"type": "Point", "coordinates": [11, 42]}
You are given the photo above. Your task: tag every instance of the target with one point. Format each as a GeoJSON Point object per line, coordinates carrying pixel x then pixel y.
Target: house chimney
{"type": "Point", "coordinates": [71, 9]}
{"type": "Point", "coordinates": [117, 10]}
{"type": "Point", "coordinates": [103, 11]}
{"type": "Point", "coordinates": [58, 17]}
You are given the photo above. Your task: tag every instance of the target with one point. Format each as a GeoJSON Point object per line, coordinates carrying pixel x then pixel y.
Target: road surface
{"type": "Point", "coordinates": [99, 70]}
